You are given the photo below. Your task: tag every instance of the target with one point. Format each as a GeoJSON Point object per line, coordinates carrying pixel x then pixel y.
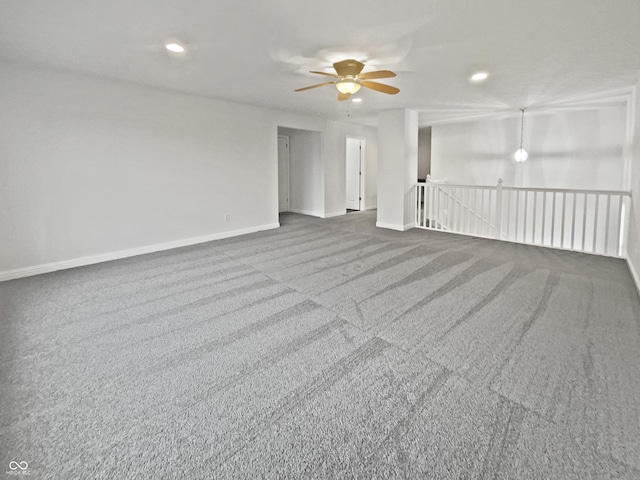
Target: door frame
{"type": "Point", "coordinates": [363, 144]}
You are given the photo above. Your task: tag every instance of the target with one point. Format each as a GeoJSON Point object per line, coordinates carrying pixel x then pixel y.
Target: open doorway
{"type": "Point", "coordinates": [283, 173]}
{"type": "Point", "coordinates": [300, 171]}
{"type": "Point", "coordinates": [424, 153]}
{"type": "Point", "coordinates": [354, 173]}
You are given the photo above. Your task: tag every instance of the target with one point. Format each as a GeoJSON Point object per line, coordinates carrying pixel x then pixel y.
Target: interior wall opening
{"type": "Point", "coordinates": [300, 182]}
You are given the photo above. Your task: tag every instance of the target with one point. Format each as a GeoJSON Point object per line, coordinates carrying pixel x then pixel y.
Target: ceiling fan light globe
{"type": "Point", "coordinates": [521, 155]}
{"type": "Point", "coordinates": [347, 86]}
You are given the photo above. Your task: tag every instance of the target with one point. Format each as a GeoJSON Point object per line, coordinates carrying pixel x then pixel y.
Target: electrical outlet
{"type": "Point", "coordinates": [227, 217]}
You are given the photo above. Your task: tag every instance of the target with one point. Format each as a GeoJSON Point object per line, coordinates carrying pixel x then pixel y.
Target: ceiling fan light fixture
{"type": "Point", "coordinates": [348, 79]}
{"type": "Point", "coordinates": [347, 85]}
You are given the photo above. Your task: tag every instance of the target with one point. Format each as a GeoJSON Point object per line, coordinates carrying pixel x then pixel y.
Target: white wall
{"type": "Point", "coordinates": [397, 168]}
{"type": "Point", "coordinates": [93, 169]}
{"type": "Point", "coordinates": [633, 244]}
{"type": "Point", "coordinates": [371, 172]}
{"type": "Point", "coordinates": [567, 149]}
{"type": "Point", "coordinates": [305, 171]}
{"type": "Point", "coordinates": [91, 166]}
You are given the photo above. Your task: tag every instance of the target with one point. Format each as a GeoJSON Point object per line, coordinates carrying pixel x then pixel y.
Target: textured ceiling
{"type": "Point", "coordinates": [538, 52]}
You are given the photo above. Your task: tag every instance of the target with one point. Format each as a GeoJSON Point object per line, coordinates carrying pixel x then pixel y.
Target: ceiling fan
{"type": "Point", "coordinates": [349, 79]}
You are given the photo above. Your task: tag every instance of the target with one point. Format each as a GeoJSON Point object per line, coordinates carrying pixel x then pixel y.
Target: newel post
{"type": "Point", "coordinates": [499, 210]}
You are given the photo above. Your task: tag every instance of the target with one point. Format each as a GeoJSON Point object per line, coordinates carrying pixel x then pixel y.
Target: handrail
{"type": "Point", "coordinates": [570, 190]}
{"type": "Point", "coordinates": [529, 189]}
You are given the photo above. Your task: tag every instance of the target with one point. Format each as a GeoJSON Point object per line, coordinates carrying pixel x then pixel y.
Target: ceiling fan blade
{"type": "Point", "coordinates": [314, 86]}
{"type": "Point", "coordinates": [380, 87]}
{"type": "Point", "coordinates": [343, 96]}
{"type": "Point", "coordinates": [325, 73]}
{"type": "Point", "coordinates": [377, 74]}
{"type": "Point", "coordinates": [348, 67]}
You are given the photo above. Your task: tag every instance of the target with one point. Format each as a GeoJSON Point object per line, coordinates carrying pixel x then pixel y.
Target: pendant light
{"type": "Point", "coordinates": [521, 154]}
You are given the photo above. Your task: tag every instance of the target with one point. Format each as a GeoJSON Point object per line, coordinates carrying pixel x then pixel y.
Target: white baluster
{"type": "Point", "coordinates": [498, 233]}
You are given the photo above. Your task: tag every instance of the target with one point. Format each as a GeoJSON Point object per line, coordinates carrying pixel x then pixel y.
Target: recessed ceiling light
{"type": "Point", "coordinates": [174, 47]}
{"type": "Point", "coordinates": [356, 100]}
{"type": "Point", "coordinates": [479, 76]}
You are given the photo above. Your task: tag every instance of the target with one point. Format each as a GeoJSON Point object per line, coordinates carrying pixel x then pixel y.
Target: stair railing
{"type": "Point", "coordinates": [592, 221]}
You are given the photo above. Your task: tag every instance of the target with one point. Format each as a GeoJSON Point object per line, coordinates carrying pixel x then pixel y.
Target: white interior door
{"type": "Point", "coordinates": [283, 173]}
{"type": "Point", "coordinates": [354, 172]}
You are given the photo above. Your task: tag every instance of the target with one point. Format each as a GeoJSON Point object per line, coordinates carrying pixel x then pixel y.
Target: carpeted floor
{"type": "Point", "coordinates": [325, 349]}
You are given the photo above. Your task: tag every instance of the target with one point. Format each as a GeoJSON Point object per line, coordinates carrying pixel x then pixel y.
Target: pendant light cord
{"type": "Point", "coordinates": [521, 128]}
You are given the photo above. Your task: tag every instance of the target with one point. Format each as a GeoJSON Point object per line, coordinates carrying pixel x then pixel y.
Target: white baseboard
{"type": "Point", "coordinates": [306, 212]}
{"type": "Point", "coordinates": [334, 214]}
{"type": "Point", "coordinates": [393, 226]}
{"type": "Point", "coordinates": [132, 252]}
{"type": "Point", "coordinates": [634, 274]}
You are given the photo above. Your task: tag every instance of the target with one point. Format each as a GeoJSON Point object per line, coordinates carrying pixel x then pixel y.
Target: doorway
{"type": "Point", "coordinates": [283, 173]}
{"type": "Point", "coordinates": [424, 153]}
{"type": "Point", "coordinates": [354, 173]}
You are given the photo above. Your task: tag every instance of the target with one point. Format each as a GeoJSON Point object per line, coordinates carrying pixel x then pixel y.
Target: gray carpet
{"type": "Point", "coordinates": [325, 349]}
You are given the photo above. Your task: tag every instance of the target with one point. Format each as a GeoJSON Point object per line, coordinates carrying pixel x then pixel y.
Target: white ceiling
{"type": "Point", "coordinates": [538, 52]}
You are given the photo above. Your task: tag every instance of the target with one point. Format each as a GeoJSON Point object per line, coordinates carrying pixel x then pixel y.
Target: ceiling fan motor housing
{"type": "Point", "coordinates": [348, 67]}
